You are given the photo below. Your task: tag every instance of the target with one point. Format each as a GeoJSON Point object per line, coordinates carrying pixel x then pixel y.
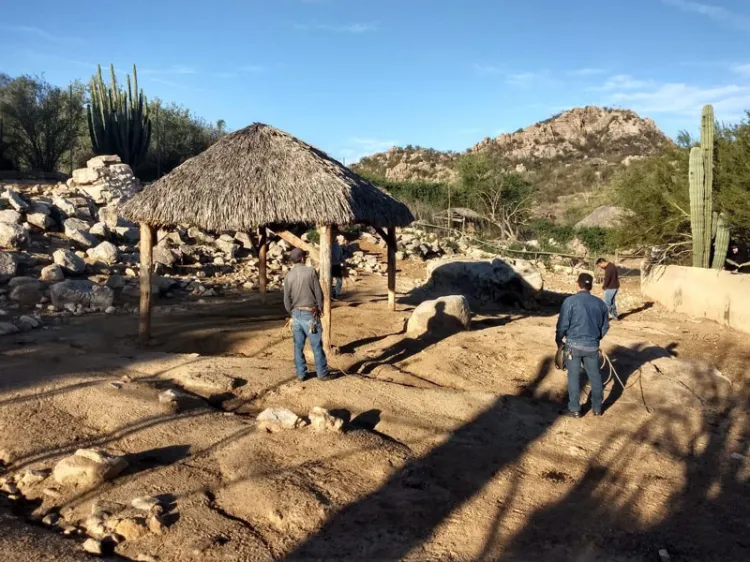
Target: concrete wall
{"type": "Point", "coordinates": [701, 293]}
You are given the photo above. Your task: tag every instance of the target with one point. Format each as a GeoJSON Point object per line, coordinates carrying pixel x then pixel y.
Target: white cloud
{"type": "Point", "coordinates": [40, 34]}
{"type": "Point", "coordinates": [352, 28]}
{"type": "Point", "coordinates": [623, 82]}
{"type": "Point", "coordinates": [717, 13]}
{"type": "Point", "coordinates": [487, 69]}
{"type": "Point", "coordinates": [582, 72]}
{"type": "Point", "coordinates": [730, 101]}
{"type": "Point", "coordinates": [742, 69]}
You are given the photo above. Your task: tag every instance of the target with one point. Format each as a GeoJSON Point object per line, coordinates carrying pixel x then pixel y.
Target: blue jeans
{"type": "Point", "coordinates": [302, 323]}
{"type": "Point", "coordinates": [336, 289]}
{"type": "Point", "coordinates": [609, 300]}
{"type": "Point", "coordinates": [591, 364]}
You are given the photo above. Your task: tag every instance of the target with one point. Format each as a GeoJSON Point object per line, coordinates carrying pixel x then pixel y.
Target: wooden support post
{"type": "Point", "coordinates": [391, 242]}
{"type": "Point", "coordinates": [297, 242]}
{"type": "Point", "coordinates": [262, 263]}
{"type": "Point", "coordinates": [146, 249]}
{"type": "Point", "coordinates": [326, 242]}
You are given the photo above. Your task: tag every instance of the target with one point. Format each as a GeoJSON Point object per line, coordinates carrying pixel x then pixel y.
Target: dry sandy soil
{"type": "Point", "coordinates": [453, 448]}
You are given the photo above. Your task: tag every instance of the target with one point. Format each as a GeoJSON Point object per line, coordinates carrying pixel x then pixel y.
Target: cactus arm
{"type": "Point", "coordinates": [721, 244]}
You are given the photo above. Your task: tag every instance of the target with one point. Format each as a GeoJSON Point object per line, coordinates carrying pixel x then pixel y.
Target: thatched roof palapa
{"type": "Point", "coordinates": [259, 176]}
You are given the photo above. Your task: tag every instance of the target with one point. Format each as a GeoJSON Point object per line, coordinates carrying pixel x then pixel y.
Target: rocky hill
{"type": "Point", "coordinates": [570, 152]}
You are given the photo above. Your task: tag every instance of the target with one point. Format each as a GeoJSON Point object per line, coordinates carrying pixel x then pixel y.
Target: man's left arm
{"type": "Point", "coordinates": [318, 291]}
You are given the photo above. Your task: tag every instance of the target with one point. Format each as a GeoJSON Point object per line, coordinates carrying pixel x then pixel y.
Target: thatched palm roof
{"type": "Point", "coordinates": [258, 176]}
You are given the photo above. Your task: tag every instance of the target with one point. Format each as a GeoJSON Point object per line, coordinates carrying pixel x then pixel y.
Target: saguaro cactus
{"type": "Point", "coordinates": [119, 123]}
{"type": "Point", "coordinates": [697, 209]}
{"type": "Point", "coordinates": [709, 228]}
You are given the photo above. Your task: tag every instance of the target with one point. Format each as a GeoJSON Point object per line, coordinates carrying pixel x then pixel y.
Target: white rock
{"type": "Point", "coordinates": [13, 236]}
{"type": "Point", "coordinates": [40, 220]}
{"type": "Point", "coordinates": [52, 274]}
{"type": "Point", "coordinates": [6, 328]}
{"type": "Point", "coordinates": [8, 266]}
{"type": "Point", "coordinates": [279, 417]}
{"type": "Point", "coordinates": [110, 310]}
{"type": "Point", "coordinates": [145, 503]}
{"type": "Point", "coordinates": [99, 229]}
{"type": "Point", "coordinates": [441, 316]}
{"type": "Point", "coordinates": [88, 468]}
{"type": "Point", "coordinates": [16, 201]}
{"type": "Point", "coordinates": [10, 216]}
{"type": "Point", "coordinates": [69, 261]}
{"type": "Point", "coordinates": [322, 420]}
{"type": "Point", "coordinates": [106, 252]}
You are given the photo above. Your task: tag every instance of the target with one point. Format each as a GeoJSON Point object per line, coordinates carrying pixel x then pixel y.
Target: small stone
{"type": "Point", "coordinates": [100, 230]}
{"type": "Point", "coordinates": [34, 476]}
{"type": "Point", "coordinates": [146, 558]}
{"type": "Point", "coordinates": [738, 456]}
{"type": "Point", "coordinates": [156, 525]}
{"type": "Point", "coordinates": [52, 493]}
{"type": "Point", "coordinates": [664, 555]}
{"type": "Point", "coordinates": [105, 252]}
{"type": "Point", "coordinates": [93, 546]}
{"type": "Point", "coordinates": [132, 528]}
{"type": "Point", "coordinates": [94, 526]}
{"type": "Point", "coordinates": [88, 468]}
{"type": "Point", "coordinates": [16, 201]}
{"type": "Point", "coordinates": [52, 274]}
{"type": "Point", "coordinates": [322, 420]}
{"type": "Point", "coordinates": [9, 488]}
{"type": "Point", "coordinates": [110, 310]}
{"type": "Point", "coordinates": [145, 503]}
{"type": "Point", "coordinates": [51, 519]}
{"type": "Point", "coordinates": [115, 385]}
{"type": "Point", "coordinates": [168, 396]}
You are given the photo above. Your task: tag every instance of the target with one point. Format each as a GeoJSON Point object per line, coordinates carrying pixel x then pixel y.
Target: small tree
{"type": "Point", "coordinates": [40, 121]}
{"type": "Point", "coordinates": [507, 198]}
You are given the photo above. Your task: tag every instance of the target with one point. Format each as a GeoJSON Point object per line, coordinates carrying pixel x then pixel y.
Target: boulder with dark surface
{"type": "Point", "coordinates": [70, 262]}
{"type": "Point", "coordinates": [483, 282]}
{"type": "Point", "coordinates": [82, 292]}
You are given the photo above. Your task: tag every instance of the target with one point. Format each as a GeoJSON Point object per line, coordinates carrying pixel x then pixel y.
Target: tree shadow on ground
{"type": "Point", "coordinates": [390, 522]}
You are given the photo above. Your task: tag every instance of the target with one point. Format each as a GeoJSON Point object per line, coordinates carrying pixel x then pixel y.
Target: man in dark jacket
{"type": "Point", "coordinates": [611, 285]}
{"type": "Point", "coordinates": [303, 299]}
{"type": "Point", "coordinates": [582, 324]}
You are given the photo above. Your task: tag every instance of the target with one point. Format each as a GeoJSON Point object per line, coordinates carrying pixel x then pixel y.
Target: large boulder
{"type": "Point", "coordinates": [88, 468]}
{"type": "Point", "coordinates": [440, 317]}
{"type": "Point", "coordinates": [162, 254]}
{"type": "Point", "coordinates": [69, 261]}
{"type": "Point", "coordinates": [13, 236]}
{"type": "Point", "coordinates": [484, 282]}
{"type": "Point", "coordinates": [105, 252]}
{"type": "Point", "coordinates": [82, 292]}
{"type": "Point", "coordinates": [26, 291]}
{"type": "Point", "coordinates": [8, 266]}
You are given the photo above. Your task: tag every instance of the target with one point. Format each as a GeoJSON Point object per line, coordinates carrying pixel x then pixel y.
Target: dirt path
{"type": "Point", "coordinates": [453, 449]}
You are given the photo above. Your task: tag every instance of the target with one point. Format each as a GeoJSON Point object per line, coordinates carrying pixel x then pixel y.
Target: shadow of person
{"type": "Point", "coordinates": [644, 307]}
{"type": "Point", "coordinates": [389, 523]}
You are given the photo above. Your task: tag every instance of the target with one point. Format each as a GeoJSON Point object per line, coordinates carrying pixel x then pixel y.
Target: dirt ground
{"type": "Point", "coordinates": [453, 448]}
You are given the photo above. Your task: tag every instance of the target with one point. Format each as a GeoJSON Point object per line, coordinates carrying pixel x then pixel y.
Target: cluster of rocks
{"type": "Point", "coordinates": [319, 419]}
{"type": "Point", "coordinates": [65, 250]}
{"type": "Point", "coordinates": [109, 523]}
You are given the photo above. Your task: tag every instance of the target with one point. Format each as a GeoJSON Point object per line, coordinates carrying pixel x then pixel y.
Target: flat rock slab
{"type": "Point", "coordinates": [88, 468]}
{"type": "Point", "coordinates": [206, 381]}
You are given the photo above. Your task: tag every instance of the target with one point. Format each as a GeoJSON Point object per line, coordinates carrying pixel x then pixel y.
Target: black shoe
{"type": "Point", "coordinates": [303, 378]}
{"type": "Point", "coordinates": [329, 377]}
{"type": "Point", "coordinates": [569, 414]}
{"type": "Point", "coordinates": [598, 413]}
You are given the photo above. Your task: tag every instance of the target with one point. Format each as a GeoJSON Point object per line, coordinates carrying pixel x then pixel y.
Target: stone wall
{"type": "Point", "coordinates": [702, 293]}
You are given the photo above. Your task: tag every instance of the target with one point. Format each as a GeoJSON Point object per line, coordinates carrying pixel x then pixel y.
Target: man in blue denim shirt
{"type": "Point", "coordinates": [582, 324]}
{"type": "Point", "coordinates": [303, 299]}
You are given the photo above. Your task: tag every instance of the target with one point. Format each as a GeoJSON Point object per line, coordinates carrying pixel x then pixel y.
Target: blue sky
{"type": "Point", "coordinates": [358, 76]}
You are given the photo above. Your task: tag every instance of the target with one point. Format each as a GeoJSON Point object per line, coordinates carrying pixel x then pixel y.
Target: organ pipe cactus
{"type": "Point", "coordinates": [709, 229]}
{"type": "Point", "coordinates": [119, 121]}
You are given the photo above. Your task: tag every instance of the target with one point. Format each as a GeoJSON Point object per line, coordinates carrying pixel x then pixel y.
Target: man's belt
{"type": "Point", "coordinates": [306, 308]}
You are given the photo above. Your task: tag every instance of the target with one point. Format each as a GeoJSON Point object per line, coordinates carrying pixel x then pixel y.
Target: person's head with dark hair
{"type": "Point", "coordinates": [602, 262]}
{"type": "Point", "coordinates": [585, 282]}
{"type": "Point", "coordinates": [297, 256]}
{"type": "Point", "coordinates": [734, 248]}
